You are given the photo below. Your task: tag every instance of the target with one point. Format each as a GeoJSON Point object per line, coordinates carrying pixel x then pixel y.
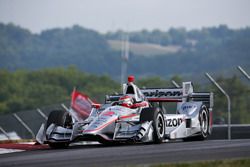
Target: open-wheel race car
{"type": "Point", "coordinates": [136, 115]}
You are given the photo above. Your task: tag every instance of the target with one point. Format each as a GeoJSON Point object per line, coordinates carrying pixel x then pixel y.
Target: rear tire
{"type": "Point", "coordinates": [155, 115]}
{"type": "Point", "coordinates": [204, 122]}
{"type": "Point", "coordinates": [59, 118]}
{"type": "Point", "coordinates": [204, 125]}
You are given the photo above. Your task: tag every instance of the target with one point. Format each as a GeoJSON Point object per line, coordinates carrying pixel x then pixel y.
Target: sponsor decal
{"type": "Point", "coordinates": [162, 93]}
{"type": "Point", "coordinates": [103, 122]}
{"type": "Point", "coordinates": [108, 113]}
{"type": "Point", "coordinates": [188, 107]}
{"type": "Point", "coordinates": [174, 122]}
{"type": "Point", "coordinates": [99, 122]}
{"type": "Point", "coordinates": [117, 108]}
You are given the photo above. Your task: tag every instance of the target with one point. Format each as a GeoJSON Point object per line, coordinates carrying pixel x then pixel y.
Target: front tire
{"type": "Point", "coordinates": [158, 124]}
{"type": "Point", "coordinates": [59, 118]}
{"type": "Point", "coordinates": [159, 127]}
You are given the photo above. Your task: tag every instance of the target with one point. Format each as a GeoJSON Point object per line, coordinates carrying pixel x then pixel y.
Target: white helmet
{"type": "Point", "coordinates": [126, 101]}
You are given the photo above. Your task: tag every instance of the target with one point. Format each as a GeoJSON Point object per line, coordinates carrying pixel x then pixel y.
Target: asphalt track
{"type": "Point", "coordinates": [127, 155]}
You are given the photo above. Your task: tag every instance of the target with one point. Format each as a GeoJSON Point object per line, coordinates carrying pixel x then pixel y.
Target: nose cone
{"type": "Point", "coordinates": [98, 125]}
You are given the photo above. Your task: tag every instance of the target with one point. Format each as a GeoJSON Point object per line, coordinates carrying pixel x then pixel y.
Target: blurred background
{"type": "Point", "coordinates": [49, 47]}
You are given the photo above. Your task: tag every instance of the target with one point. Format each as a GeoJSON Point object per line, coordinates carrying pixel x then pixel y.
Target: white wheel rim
{"type": "Point", "coordinates": [160, 125]}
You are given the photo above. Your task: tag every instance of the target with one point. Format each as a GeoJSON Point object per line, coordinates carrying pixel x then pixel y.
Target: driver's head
{"type": "Point", "coordinates": [126, 101]}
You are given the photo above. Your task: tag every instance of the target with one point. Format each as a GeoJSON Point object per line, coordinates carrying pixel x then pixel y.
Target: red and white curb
{"type": "Point", "coordinates": [19, 147]}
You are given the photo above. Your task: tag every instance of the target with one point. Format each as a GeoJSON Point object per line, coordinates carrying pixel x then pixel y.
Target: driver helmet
{"type": "Point", "coordinates": [126, 101]}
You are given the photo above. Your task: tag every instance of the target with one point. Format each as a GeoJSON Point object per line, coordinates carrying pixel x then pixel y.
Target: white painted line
{"type": "Point", "coordinates": [5, 151]}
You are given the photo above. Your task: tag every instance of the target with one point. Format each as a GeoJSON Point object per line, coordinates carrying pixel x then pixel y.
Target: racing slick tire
{"type": "Point", "coordinates": [204, 122]}
{"type": "Point", "coordinates": [204, 126]}
{"type": "Point", "coordinates": [59, 118]}
{"type": "Point", "coordinates": [155, 115]}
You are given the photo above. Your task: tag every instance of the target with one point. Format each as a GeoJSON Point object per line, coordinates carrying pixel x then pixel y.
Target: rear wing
{"type": "Point", "coordinates": [186, 93]}
{"type": "Point", "coordinates": [163, 95]}
{"type": "Point", "coordinates": [183, 94]}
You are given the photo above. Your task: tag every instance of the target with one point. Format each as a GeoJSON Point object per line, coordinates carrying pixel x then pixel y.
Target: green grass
{"type": "Point", "coordinates": [219, 163]}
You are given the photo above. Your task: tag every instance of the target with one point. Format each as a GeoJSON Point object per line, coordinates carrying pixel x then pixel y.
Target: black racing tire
{"type": "Point", "coordinates": [204, 125]}
{"type": "Point", "coordinates": [59, 118]}
{"type": "Point", "coordinates": [204, 122]}
{"type": "Point", "coordinates": [155, 115]}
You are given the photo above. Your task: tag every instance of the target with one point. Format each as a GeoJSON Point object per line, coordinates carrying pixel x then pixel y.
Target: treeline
{"type": "Point", "coordinates": [213, 49]}
{"type": "Point", "coordinates": [84, 48]}
{"type": "Point", "coordinates": [198, 39]}
{"type": "Point", "coordinates": [24, 90]}
{"type": "Point", "coordinates": [209, 49]}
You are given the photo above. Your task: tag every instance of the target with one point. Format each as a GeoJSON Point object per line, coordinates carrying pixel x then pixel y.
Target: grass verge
{"type": "Point", "coordinates": [217, 163]}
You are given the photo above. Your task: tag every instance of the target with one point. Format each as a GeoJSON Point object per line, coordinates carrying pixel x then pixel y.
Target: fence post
{"type": "Point", "coordinates": [4, 132]}
{"type": "Point", "coordinates": [228, 104]}
{"type": "Point", "coordinates": [66, 108]}
{"type": "Point", "coordinates": [41, 113]}
{"type": "Point", "coordinates": [24, 125]}
{"type": "Point", "coordinates": [244, 72]}
{"type": "Point", "coordinates": [175, 84]}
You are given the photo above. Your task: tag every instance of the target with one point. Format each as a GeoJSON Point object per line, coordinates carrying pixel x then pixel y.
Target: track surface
{"type": "Point", "coordinates": [98, 155]}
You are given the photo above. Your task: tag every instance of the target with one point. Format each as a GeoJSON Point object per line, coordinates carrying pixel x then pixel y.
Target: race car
{"type": "Point", "coordinates": [137, 115]}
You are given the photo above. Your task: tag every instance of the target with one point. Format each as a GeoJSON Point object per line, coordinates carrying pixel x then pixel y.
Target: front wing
{"type": "Point", "coordinates": [122, 133]}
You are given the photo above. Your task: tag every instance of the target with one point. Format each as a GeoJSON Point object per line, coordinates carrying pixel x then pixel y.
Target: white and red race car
{"type": "Point", "coordinates": [136, 115]}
